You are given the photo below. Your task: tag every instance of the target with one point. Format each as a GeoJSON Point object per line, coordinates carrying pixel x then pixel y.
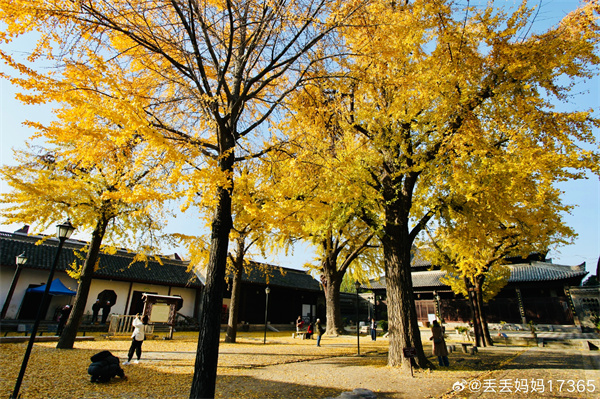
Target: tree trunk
{"type": "Point", "coordinates": [486, 338]}
{"type": "Point", "coordinates": [402, 315]}
{"type": "Point", "coordinates": [236, 288]}
{"type": "Point", "coordinates": [211, 302]}
{"type": "Point", "coordinates": [474, 312]}
{"type": "Point", "coordinates": [332, 300]}
{"type": "Point", "coordinates": [67, 338]}
{"type": "Point", "coordinates": [479, 340]}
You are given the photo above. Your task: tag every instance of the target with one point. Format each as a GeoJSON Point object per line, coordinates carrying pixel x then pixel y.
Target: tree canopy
{"type": "Point", "coordinates": [422, 92]}
{"type": "Point", "coordinates": [430, 89]}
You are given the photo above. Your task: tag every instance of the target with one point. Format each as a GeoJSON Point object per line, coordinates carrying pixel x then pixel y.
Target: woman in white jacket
{"type": "Point", "coordinates": [137, 338]}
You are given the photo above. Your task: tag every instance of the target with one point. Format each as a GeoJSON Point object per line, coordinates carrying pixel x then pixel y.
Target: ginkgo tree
{"type": "Point", "coordinates": [99, 173]}
{"type": "Point", "coordinates": [504, 204]}
{"type": "Point", "coordinates": [254, 216]}
{"type": "Point", "coordinates": [220, 70]}
{"type": "Point", "coordinates": [317, 179]}
{"type": "Point", "coordinates": [428, 79]}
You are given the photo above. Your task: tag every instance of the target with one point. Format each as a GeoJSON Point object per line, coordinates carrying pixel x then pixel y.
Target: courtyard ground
{"type": "Point", "coordinates": [294, 368]}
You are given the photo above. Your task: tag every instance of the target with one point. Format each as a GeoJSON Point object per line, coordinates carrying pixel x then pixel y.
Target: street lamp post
{"type": "Point", "coordinates": [267, 290]}
{"type": "Point", "coordinates": [64, 231]}
{"type": "Point", "coordinates": [357, 285]}
{"type": "Point", "coordinates": [20, 260]}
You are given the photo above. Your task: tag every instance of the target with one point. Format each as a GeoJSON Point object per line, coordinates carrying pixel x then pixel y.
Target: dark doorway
{"type": "Point", "coordinates": [137, 302]}
{"type": "Point", "coordinates": [31, 304]}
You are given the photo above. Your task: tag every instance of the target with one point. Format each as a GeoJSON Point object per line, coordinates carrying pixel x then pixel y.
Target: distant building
{"type": "Point", "coordinates": [537, 290]}
{"type": "Point", "coordinates": [292, 292]}
{"type": "Point", "coordinates": [117, 276]}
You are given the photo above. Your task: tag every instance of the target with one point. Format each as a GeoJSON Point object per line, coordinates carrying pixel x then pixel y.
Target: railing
{"type": "Point", "coordinates": [121, 325]}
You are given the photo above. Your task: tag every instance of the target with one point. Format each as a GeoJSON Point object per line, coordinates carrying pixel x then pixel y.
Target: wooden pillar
{"type": "Point", "coordinates": [572, 306]}
{"type": "Point", "coordinates": [521, 307]}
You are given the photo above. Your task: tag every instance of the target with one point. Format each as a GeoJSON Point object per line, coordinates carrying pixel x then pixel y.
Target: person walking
{"type": "Point", "coordinates": [439, 344]}
{"type": "Point", "coordinates": [320, 331]}
{"type": "Point", "coordinates": [373, 329]}
{"type": "Point", "coordinates": [137, 339]}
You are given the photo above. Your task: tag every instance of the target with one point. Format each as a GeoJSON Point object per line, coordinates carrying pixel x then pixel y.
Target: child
{"type": "Point", "coordinates": [137, 339]}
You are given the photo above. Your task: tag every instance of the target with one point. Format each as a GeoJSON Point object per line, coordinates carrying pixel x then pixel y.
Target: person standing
{"type": "Point", "coordinates": [439, 344]}
{"type": "Point", "coordinates": [65, 312]}
{"type": "Point", "coordinates": [299, 324]}
{"type": "Point", "coordinates": [320, 331]}
{"type": "Point", "coordinates": [137, 339]}
{"type": "Point", "coordinates": [373, 329]}
{"type": "Point", "coordinates": [95, 310]}
{"type": "Point", "coordinates": [105, 311]}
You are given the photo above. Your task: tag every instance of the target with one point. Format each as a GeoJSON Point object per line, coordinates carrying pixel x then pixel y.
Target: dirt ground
{"type": "Point", "coordinates": [294, 368]}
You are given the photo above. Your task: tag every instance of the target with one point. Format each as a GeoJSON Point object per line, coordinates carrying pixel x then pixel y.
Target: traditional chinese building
{"type": "Point", "coordinates": [537, 290]}
{"type": "Point", "coordinates": [123, 280]}
{"type": "Point", "coordinates": [119, 278]}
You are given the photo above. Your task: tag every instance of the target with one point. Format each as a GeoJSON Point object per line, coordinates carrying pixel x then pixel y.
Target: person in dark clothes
{"type": "Point", "coordinates": [62, 320]}
{"type": "Point", "coordinates": [105, 311]}
{"type": "Point", "coordinates": [373, 327]}
{"type": "Point", "coordinates": [320, 331]}
{"type": "Point", "coordinates": [95, 310]}
{"type": "Point", "coordinates": [104, 367]}
{"type": "Point", "coordinates": [309, 331]}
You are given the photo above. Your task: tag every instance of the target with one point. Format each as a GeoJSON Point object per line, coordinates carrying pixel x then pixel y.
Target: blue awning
{"type": "Point", "coordinates": [56, 288]}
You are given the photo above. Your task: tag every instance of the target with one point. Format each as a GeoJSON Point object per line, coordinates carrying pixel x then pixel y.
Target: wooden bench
{"type": "Point", "coordinates": [42, 328]}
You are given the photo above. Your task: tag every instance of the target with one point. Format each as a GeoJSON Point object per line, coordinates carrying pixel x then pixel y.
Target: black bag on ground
{"type": "Point", "coordinates": [104, 367]}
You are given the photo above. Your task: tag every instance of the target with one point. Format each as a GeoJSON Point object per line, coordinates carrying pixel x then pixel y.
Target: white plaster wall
{"type": "Point", "coordinates": [121, 288]}
{"type": "Point", "coordinates": [189, 298]}
{"type": "Point", "coordinates": [27, 277]}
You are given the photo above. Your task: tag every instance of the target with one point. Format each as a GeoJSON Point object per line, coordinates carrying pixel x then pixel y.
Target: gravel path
{"type": "Point", "coordinates": [292, 368]}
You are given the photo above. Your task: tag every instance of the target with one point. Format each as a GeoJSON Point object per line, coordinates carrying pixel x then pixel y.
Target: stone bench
{"type": "Point", "coordinates": [301, 335]}
{"type": "Point", "coordinates": [468, 347]}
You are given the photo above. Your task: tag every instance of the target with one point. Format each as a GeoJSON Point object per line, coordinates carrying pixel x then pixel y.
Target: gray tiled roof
{"type": "Point", "coordinates": [519, 273]}
{"type": "Point", "coordinates": [281, 276]}
{"type": "Point", "coordinates": [114, 267]}
{"type": "Point", "coordinates": [543, 271]}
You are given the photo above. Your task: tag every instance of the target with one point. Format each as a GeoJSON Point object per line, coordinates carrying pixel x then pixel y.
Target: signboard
{"type": "Point", "coordinates": [160, 313]}
{"type": "Point", "coordinates": [410, 352]}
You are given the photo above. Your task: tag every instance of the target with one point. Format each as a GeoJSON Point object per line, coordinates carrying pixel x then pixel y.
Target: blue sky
{"type": "Point", "coordinates": [583, 194]}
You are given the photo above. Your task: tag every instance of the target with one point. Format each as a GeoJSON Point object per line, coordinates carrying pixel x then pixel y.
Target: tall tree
{"type": "Point", "coordinates": [253, 218]}
{"type": "Point", "coordinates": [427, 81]}
{"type": "Point", "coordinates": [97, 168]}
{"type": "Point", "coordinates": [220, 70]}
{"type": "Point", "coordinates": [317, 178]}
{"type": "Point", "coordinates": [95, 179]}
{"type": "Point", "coordinates": [494, 220]}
